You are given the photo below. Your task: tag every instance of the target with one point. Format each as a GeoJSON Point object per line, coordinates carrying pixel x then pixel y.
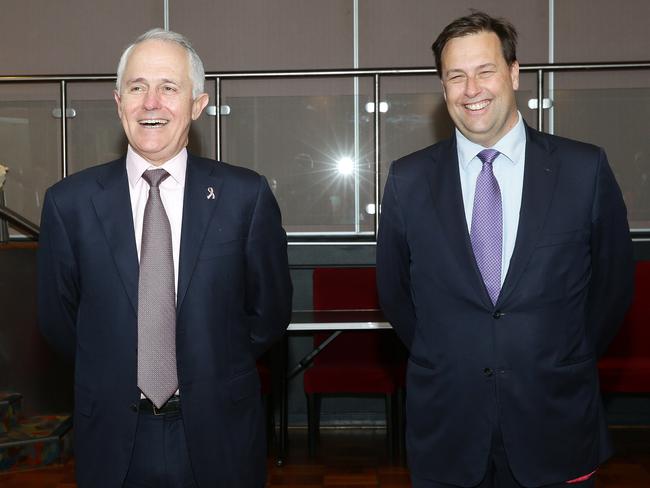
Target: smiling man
{"type": "Point", "coordinates": [504, 263]}
{"type": "Point", "coordinates": [164, 276]}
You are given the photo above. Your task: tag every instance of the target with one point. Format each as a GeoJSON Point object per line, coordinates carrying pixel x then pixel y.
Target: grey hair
{"type": "Point", "coordinates": [197, 73]}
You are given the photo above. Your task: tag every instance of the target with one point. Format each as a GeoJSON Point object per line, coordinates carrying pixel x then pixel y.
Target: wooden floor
{"type": "Point", "coordinates": [357, 458]}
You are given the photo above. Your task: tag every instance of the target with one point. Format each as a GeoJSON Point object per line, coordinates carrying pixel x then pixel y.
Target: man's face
{"type": "Point", "coordinates": [155, 100]}
{"type": "Point", "coordinates": [479, 87]}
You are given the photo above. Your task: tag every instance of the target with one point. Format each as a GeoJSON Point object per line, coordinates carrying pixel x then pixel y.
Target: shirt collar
{"type": "Point", "coordinates": [136, 165]}
{"type": "Point", "coordinates": [509, 145]}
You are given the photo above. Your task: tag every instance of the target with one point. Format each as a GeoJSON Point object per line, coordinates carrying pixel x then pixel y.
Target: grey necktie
{"type": "Point", "coordinates": [157, 377]}
{"type": "Point", "coordinates": [487, 225]}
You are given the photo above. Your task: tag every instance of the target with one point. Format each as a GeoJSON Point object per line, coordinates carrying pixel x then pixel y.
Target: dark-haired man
{"type": "Point", "coordinates": [504, 263]}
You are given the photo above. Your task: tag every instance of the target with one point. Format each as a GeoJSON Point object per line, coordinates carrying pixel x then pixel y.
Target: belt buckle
{"type": "Point", "coordinates": [157, 411]}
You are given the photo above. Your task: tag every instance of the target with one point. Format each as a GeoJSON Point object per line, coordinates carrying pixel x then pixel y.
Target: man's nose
{"type": "Point", "coordinates": [151, 100]}
{"type": "Point", "coordinates": [472, 87]}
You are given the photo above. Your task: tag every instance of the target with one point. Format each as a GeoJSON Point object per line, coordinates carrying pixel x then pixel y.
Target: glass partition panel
{"type": "Point", "coordinates": [416, 115]}
{"type": "Point", "coordinates": [526, 97]}
{"type": "Point", "coordinates": [30, 145]}
{"type": "Point", "coordinates": [313, 140]}
{"type": "Point", "coordinates": [95, 134]}
{"type": "Point", "coordinates": [611, 110]}
{"type": "Point", "coordinates": [202, 136]}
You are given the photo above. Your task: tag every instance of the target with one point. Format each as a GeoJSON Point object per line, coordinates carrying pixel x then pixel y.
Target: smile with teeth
{"type": "Point", "coordinates": [153, 122]}
{"type": "Point", "coordinates": [478, 105]}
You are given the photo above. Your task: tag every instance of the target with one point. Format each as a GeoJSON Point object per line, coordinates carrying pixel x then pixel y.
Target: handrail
{"type": "Point", "coordinates": [544, 67]}
{"type": "Point", "coordinates": [17, 220]}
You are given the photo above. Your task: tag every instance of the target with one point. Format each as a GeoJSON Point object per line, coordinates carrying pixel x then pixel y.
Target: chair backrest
{"type": "Point", "coordinates": [633, 339]}
{"type": "Point", "coordinates": [345, 289]}
{"type": "Point", "coordinates": [350, 289]}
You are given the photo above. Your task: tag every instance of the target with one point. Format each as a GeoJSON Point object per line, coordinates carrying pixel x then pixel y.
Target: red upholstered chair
{"type": "Point", "coordinates": [356, 362]}
{"type": "Point", "coordinates": [625, 367]}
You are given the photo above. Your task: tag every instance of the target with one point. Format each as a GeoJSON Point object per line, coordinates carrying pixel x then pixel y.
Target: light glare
{"type": "Point", "coordinates": [370, 107]}
{"type": "Point", "coordinates": [345, 166]}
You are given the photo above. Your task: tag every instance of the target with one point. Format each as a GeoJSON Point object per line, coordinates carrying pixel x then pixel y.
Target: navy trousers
{"type": "Point", "coordinates": [160, 456]}
{"type": "Point", "coordinates": [498, 474]}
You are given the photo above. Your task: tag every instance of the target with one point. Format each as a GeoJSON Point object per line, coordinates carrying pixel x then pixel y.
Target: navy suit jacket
{"type": "Point", "coordinates": [233, 302]}
{"type": "Point", "coordinates": [528, 363]}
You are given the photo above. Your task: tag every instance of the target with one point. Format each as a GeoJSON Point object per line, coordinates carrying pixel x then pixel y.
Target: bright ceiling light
{"type": "Point", "coordinates": [345, 166]}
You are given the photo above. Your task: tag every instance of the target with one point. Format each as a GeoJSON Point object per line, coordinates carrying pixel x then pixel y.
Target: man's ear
{"type": "Point", "coordinates": [514, 75]}
{"type": "Point", "coordinates": [199, 104]}
{"type": "Point", "coordinates": [444, 92]}
{"type": "Point", "coordinates": [117, 98]}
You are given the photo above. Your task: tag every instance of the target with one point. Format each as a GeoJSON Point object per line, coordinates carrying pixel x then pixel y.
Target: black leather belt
{"type": "Point", "coordinates": [172, 405]}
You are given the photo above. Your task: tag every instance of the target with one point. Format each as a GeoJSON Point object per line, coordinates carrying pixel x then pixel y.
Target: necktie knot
{"type": "Point", "coordinates": [155, 177]}
{"type": "Point", "coordinates": [487, 156]}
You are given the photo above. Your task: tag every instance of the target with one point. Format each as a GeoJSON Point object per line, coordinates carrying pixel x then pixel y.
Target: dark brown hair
{"type": "Point", "coordinates": [473, 24]}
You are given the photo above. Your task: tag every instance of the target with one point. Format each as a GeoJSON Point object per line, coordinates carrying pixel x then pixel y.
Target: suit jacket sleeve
{"type": "Point", "coordinates": [612, 278]}
{"type": "Point", "coordinates": [58, 283]}
{"type": "Point", "coordinates": [393, 264]}
{"type": "Point", "coordinates": [268, 284]}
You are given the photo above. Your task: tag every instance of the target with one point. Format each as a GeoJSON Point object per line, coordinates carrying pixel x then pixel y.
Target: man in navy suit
{"type": "Point", "coordinates": [230, 291]}
{"type": "Point", "coordinates": [504, 263]}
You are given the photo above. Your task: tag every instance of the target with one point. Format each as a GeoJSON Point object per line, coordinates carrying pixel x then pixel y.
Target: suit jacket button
{"type": "Point", "coordinates": [134, 407]}
{"type": "Point", "coordinates": [488, 372]}
{"type": "Point", "coordinates": [497, 315]}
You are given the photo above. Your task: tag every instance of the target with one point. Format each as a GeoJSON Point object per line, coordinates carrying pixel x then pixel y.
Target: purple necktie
{"type": "Point", "coordinates": [157, 376]}
{"type": "Point", "coordinates": [487, 225]}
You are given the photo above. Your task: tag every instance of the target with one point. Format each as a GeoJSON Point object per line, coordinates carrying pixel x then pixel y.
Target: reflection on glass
{"type": "Point", "coordinates": [29, 145]}
{"type": "Point", "coordinates": [414, 121]}
{"type": "Point", "coordinates": [616, 119]}
{"type": "Point", "coordinates": [95, 134]}
{"type": "Point", "coordinates": [304, 143]}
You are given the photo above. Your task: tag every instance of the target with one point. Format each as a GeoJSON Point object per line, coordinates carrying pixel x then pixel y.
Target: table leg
{"type": "Point", "coordinates": [284, 392]}
{"type": "Point", "coordinates": [284, 400]}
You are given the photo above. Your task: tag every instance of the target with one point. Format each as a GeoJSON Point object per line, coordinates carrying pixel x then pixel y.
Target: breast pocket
{"type": "Point", "coordinates": [578, 236]}
{"type": "Point", "coordinates": [227, 248]}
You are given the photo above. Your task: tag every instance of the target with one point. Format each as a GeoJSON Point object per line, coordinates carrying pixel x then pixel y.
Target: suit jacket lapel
{"type": "Point", "coordinates": [113, 207]}
{"type": "Point", "coordinates": [202, 185]}
{"type": "Point", "coordinates": [444, 181]}
{"type": "Point", "coordinates": [540, 178]}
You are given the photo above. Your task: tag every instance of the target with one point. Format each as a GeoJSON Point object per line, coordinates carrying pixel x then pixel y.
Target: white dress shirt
{"type": "Point", "coordinates": [171, 194]}
{"type": "Point", "coordinates": [508, 169]}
